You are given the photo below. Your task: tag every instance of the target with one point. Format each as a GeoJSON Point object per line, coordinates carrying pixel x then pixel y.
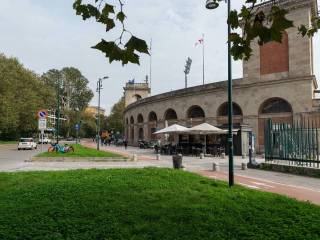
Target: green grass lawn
{"type": "Point", "coordinates": [145, 204]}
{"type": "Point", "coordinates": [80, 151]}
{"type": "Point", "coordinates": [8, 142]}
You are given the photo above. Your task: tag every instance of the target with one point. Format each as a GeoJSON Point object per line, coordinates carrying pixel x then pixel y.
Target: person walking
{"type": "Point", "coordinates": [125, 143]}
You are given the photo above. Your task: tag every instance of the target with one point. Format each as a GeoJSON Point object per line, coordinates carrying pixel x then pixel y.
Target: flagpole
{"type": "Point", "coordinates": [203, 59]}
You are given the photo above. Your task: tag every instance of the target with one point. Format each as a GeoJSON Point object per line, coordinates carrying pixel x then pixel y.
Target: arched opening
{"type": "Point", "coordinates": [170, 115]}
{"type": "Point", "coordinates": [195, 112]}
{"type": "Point", "coordinates": [276, 109]}
{"type": "Point", "coordinates": [274, 56]}
{"type": "Point", "coordinates": [140, 118]}
{"type": "Point", "coordinates": [141, 134]}
{"type": "Point", "coordinates": [131, 120]}
{"type": "Point", "coordinates": [222, 115]}
{"type": "Point", "coordinates": [152, 126]}
{"type": "Point", "coordinates": [223, 110]}
{"type": "Point", "coordinates": [137, 97]}
{"type": "Point", "coordinates": [275, 105]}
{"type": "Point", "coordinates": [132, 134]}
{"type": "Point", "coordinates": [153, 117]}
{"type": "Point", "coordinates": [127, 121]}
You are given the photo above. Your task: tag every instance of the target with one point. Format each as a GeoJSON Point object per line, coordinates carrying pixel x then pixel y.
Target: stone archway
{"type": "Point", "coordinates": [277, 109]}
{"type": "Point", "coordinates": [152, 124]}
{"type": "Point", "coordinates": [195, 115]}
{"type": "Point", "coordinates": [222, 114]}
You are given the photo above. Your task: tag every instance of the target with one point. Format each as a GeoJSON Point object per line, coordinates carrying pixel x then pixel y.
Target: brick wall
{"type": "Point", "coordinates": [274, 57]}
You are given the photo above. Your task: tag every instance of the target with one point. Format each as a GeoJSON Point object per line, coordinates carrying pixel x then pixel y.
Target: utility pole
{"type": "Point", "coordinates": [187, 71]}
{"type": "Point", "coordinates": [99, 87]}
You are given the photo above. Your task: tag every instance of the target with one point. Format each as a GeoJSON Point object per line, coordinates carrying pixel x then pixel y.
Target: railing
{"type": "Point", "coordinates": [292, 144]}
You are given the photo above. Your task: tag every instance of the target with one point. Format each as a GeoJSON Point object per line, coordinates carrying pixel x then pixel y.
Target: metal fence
{"type": "Point", "coordinates": [294, 143]}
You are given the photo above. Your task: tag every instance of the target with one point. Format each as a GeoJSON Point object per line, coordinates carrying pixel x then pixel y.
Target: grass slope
{"type": "Point", "coordinates": [80, 151]}
{"type": "Point", "coordinates": [145, 204]}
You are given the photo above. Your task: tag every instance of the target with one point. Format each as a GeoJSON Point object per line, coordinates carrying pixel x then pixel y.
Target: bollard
{"type": "Point", "coordinates": [223, 155]}
{"type": "Point", "coordinates": [201, 155]}
{"type": "Point", "coordinates": [244, 156]}
{"type": "Point", "coordinates": [243, 166]}
{"type": "Point", "coordinates": [135, 157]}
{"type": "Point", "coordinates": [158, 156]}
{"type": "Point", "coordinates": [215, 167]}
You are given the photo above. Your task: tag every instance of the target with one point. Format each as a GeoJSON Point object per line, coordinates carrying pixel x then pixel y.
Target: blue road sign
{"type": "Point", "coordinates": [42, 113]}
{"type": "Point", "coordinates": [77, 126]}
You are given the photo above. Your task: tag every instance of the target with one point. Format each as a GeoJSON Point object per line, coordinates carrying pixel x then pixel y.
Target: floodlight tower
{"type": "Point", "coordinates": [187, 70]}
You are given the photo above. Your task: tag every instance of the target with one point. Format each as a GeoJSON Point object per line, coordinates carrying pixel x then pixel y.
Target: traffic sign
{"type": "Point", "coordinates": [42, 113]}
{"type": "Point", "coordinates": [42, 124]}
{"type": "Point", "coordinates": [77, 126]}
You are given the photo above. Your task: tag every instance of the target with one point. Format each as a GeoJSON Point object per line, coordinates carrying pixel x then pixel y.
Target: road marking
{"type": "Point", "coordinates": [249, 186]}
{"type": "Point", "coordinates": [263, 184]}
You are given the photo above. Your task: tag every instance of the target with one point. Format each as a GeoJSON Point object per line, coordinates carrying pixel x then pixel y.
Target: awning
{"type": "Point", "coordinates": [175, 128]}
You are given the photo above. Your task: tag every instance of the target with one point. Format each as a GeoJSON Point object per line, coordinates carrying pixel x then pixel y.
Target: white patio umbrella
{"type": "Point", "coordinates": [175, 128]}
{"type": "Point", "coordinates": [206, 129]}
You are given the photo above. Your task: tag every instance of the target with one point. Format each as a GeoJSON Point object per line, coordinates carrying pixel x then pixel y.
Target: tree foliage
{"type": "Point", "coordinates": [255, 23]}
{"type": "Point", "coordinates": [115, 119]}
{"type": "Point", "coordinates": [75, 93]}
{"type": "Point", "coordinates": [22, 94]}
{"type": "Point", "coordinates": [122, 49]}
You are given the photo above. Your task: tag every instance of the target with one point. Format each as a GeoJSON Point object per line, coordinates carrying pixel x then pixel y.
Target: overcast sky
{"type": "Point", "coordinates": [46, 34]}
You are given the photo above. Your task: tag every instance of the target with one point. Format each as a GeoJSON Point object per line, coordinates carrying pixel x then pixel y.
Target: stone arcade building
{"type": "Point", "coordinates": [278, 83]}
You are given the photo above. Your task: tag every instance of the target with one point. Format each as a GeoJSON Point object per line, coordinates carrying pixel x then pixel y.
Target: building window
{"type": "Point", "coordinates": [131, 120]}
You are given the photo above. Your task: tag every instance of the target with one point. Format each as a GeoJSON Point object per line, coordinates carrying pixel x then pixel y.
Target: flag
{"type": "Point", "coordinates": [200, 41]}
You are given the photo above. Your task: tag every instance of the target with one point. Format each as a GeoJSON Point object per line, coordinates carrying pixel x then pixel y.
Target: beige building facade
{"type": "Point", "coordinates": [278, 83]}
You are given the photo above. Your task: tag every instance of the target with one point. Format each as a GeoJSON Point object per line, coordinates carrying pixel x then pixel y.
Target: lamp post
{"type": "Point", "coordinates": [212, 4]}
{"type": "Point", "coordinates": [59, 83]}
{"type": "Point", "coordinates": [99, 87]}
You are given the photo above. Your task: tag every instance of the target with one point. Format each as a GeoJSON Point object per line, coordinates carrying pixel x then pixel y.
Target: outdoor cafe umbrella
{"type": "Point", "coordinates": [175, 128]}
{"type": "Point", "coordinates": [205, 129]}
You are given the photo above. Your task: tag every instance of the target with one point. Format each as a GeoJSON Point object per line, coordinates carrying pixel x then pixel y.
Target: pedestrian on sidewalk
{"type": "Point", "coordinates": [125, 143]}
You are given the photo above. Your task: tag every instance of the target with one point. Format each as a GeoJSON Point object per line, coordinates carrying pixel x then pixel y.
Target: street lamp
{"type": "Point", "coordinates": [99, 87]}
{"type": "Point", "coordinates": [212, 4]}
{"type": "Point", "coordinates": [187, 70]}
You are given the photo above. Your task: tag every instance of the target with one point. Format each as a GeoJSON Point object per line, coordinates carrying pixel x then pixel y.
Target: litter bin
{"type": "Point", "coordinates": [177, 161]}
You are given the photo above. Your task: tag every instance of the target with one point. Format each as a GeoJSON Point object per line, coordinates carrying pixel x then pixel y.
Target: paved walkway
{"type": "Point", "coordinates": [299, 187]}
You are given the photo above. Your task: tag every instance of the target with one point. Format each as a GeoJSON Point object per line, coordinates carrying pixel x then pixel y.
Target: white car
{"type": "Point", "coordinates": [44, 141]}
{"type": "Point", "coordinates": [27, 143]}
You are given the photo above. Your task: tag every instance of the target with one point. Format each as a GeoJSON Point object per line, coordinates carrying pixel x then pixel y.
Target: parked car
{"type": "Point", "coordinates": [27, 143]}
{"type": "Point", "coordinates": [45, 140]}
{"type": "Point", "coordinates": [143, 144]}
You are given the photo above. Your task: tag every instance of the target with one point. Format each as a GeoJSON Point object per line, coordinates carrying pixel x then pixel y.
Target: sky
{"type": "Point", "coordinates": [46, 34]}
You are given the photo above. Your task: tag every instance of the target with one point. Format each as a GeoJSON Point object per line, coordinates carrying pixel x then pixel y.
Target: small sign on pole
{"type": "Point", "coordinates": [42, 124]}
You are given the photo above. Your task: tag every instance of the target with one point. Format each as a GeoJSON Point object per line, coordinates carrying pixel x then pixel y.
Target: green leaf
{"type": "Point", "coordinates": [233, 19]}
{"type": "Point", "coordinates": [121, 16]}
{"type": "Point", "coordinates": [110, 24]}
{"type": "Point", "coordinates": [137, 44]}
{"type": "Point", "coordinates": [107, 9]}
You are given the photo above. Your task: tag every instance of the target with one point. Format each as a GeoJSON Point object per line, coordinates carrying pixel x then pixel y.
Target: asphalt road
{"type": "Point", "coordinates": [11, 157]}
